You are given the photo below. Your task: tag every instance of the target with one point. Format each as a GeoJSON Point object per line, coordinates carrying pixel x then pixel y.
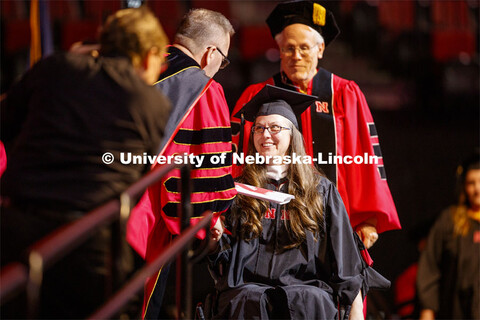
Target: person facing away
{"type": "Point", "coordinates": [57, 122]}
{"type": "Point", "coordinates": [199, 125]}
{"type": "Point", "coordinates": [294, 261]}
{"type": "Point", "coordinates": [448, 278]}
{"type": "Point", "coordinates": [338, 123]}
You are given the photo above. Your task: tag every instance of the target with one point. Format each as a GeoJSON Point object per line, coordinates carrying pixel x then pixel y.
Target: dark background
{"type": "Point", "coordinates": [417, 63]}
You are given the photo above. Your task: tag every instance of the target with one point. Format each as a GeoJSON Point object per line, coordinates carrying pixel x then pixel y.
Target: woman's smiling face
{"type": "Point", "coordinates": [268, 144]}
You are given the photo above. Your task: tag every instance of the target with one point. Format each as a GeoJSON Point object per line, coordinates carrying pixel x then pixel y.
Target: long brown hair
{"type": "Point", "coordinates": [461, 220]}
{"type": "Point", "coordinates": [305, 211]}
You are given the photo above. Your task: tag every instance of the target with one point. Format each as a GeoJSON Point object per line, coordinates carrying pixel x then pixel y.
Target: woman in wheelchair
{"type": "Point", "coordinates": [294, 261]}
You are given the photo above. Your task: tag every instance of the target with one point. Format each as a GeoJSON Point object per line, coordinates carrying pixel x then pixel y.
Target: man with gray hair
{"type": "Point", "coordinates": [199, 125]}
{"type": "Point", "coordinates": [339, 124]}
{"type": "Point", "coordinates": [204, 35]}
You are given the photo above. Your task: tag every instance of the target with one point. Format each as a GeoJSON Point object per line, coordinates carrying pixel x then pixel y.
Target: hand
{"type": "Point", "coordinates": [217, 230]}
{"type": "Point", "coordinates": [86, 49]}
{"type": "Point", "coordinates": [368, 233]}
{"type": "Point", "coordinates": [216, 233]}
{"type": "Point", "coordinates": [356, 313]}
{"type": "Point", "coordinates": [427, 314]}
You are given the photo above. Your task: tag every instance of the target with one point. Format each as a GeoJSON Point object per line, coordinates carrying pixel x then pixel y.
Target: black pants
{"type": "Point", "coordinates": [75, 286]}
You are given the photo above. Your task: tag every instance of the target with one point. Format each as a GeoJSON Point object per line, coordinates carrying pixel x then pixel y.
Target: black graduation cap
{"type": "Point", "coordinates": [274, 100]}
{"type": "Point", "coordinates": [305, 12]}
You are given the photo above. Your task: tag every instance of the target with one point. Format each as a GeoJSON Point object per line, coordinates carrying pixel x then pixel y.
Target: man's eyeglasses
{"type": "Point", "coordinates": [272, 129]}
{"type": "Point", "coordinates": [225, 61]}
{"type": "Point", "coordinates": [303, 50]}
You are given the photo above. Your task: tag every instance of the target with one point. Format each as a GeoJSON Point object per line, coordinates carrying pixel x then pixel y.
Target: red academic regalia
{"type": "Point", "coordinates": [3, 158]}
{"type": "Point", "coordinates": [405, 292]}
{"type": "Point", "coordinates": [342, 125]}
{"type": "Point", "coordinates": [199, 125]}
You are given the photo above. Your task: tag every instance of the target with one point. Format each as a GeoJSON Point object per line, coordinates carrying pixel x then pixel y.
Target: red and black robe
{"type": "Point", "coordinates": [199, 125]}
{"type": "Point", "coordinates": [338, 124]}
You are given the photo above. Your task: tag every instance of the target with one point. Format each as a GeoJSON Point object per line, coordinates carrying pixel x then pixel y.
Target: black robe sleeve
{"type": "Point", "coordinates": [429, 267]}
{"type": "Point", "coordinates": [350, 273]}
{"type": "Point", "coordinates": [346, 265]}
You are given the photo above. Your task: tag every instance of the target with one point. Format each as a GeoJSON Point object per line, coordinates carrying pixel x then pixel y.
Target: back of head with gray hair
{"type": "Point", "coordinates": [201, 28]}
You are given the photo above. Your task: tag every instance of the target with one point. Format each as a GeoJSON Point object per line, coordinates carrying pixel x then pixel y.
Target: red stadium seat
{"type": "Point", "coordinates": [397, 16]}
{"type": "Point", "coordinates": [17, 35]}
{"type": "Point", "coordinates": [100, 9]}
{"type": "Point", "coordinates": [221, 6]}
{"type": "Point", "coordinates": [255, 41]}
{"type": "Point", "coordinates": [169, 13]}
{"type": "Point", "coordinates": [81, 30]}
{"type": "Point", "coordinates": [453, 31]}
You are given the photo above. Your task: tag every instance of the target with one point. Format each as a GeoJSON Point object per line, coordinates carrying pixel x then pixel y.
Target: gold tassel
{"type": "Point", "coordinates": [319, 14]}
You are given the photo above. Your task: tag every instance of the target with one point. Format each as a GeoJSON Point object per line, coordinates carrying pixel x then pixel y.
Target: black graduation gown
{"type": "Point", "coordinates": [307, 282]}
{"type": "Point", "coordinates": [448, 278]}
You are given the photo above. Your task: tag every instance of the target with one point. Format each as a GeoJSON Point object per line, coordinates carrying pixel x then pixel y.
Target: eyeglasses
{"type": "Point", "coordinates": [272, 129]}
{"type": "Point", "coordinates": [225, 61]}
{"type": "Point", "coordinates": [303, 50]}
